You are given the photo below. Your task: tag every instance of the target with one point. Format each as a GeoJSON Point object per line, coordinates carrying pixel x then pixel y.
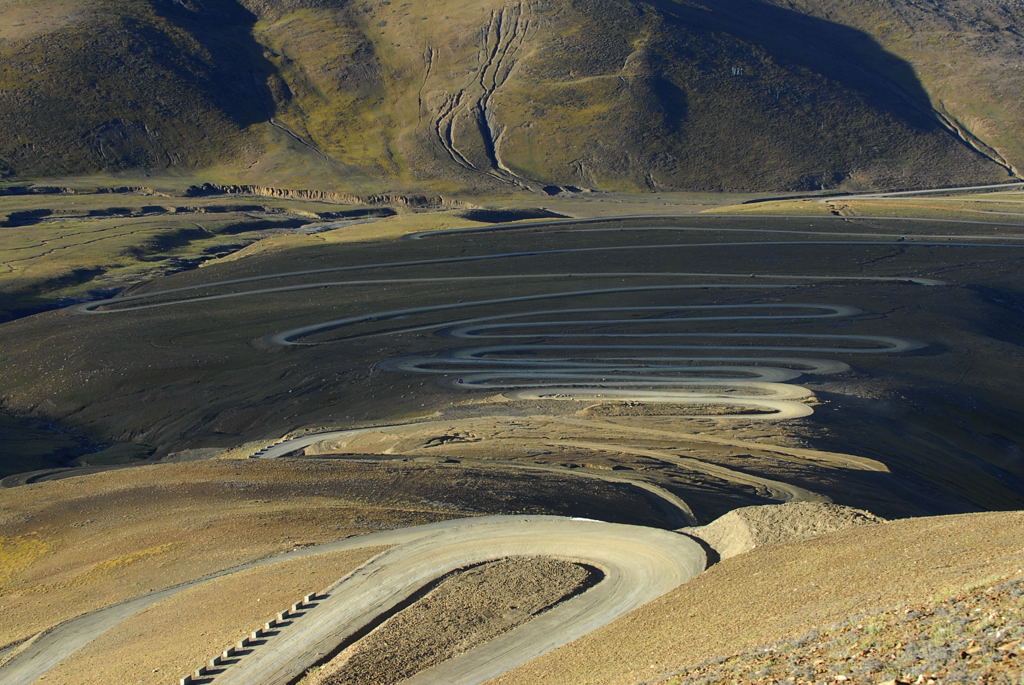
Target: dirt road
{"type": "Point", "coordinates": [668, 355]}
{"type": "Point", "coordinates": [650, 353]}
{"type": "Point", "coordinates": [639, 564]}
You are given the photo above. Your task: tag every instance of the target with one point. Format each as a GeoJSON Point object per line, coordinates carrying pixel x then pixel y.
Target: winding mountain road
{"type": "Point", "coordinates": [754, 387]}
{"type": "Point", "coordinates": [639, 564]}
{"type": "Point", "coordinates": [647, 354]}
{"type": "Point", "coordinates": [33, 659]}
{"type": "Point", "coordinates": [774, 402]}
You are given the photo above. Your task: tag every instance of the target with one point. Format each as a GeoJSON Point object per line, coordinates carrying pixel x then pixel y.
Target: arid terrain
{"type": "Point", "coordinates": [407, 429]}
{"type": "Point", "coordinates": [498, 96]}
{"type": "Point", "coordinates": [429, 342]}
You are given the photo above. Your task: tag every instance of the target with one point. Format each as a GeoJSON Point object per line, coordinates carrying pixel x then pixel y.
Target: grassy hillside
{"type": "Point", "coordinates": [503, 94]}
{"type": "Point", "coordinates": [622, 95]}
{"type": "Point", "coordinates": [127, 84]}
{"type": "Point", "coordinates": [975, 93]}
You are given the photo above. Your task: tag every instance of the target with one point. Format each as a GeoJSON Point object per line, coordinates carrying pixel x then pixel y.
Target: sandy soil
{"type": "Point", "coordinates": [79, 544]}
{"type": "Point", "coordinates": [785, 590]}
{"type": "Point", "coordinates": [741, 530]}
{"type": "Point", "coordinates": [26, 19]}
{"type": "Point", "coordinates": [466, 609]}
{"type": "Point", "coordinates": [204, 621]}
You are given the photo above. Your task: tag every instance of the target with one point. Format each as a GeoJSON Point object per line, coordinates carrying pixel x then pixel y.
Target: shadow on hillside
{"type": "Point", "coordinates": [948, 452]}
{"type": "Point", "coordinates": [847, 56]}
{"type": "Point", "coordinates": [224, 29]}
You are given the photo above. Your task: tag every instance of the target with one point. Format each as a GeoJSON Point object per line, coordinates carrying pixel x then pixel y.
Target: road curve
{"type": "Point", "coordinates": [653, 558]}
{"type": "Point", "coordinates": [33, 659]}
{"type": "Point", "coordinates": [673, 507]}
{"type": "Point", "coordinates": [639, 564]}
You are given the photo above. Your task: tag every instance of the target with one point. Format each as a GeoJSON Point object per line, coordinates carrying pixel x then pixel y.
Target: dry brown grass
{"type": "Point", "coordinates": [76, 545]}
{"type": "Point", "coordinates": [24, 19]}
{"type": "Point", "coordinates": [784, 590]}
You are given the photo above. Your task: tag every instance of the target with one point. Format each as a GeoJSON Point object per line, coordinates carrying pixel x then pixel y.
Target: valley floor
{"type": "Point", "coordinates": [443, 386]}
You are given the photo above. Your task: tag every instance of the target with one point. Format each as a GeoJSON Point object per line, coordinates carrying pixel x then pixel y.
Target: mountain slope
{"type": "Point", "coordinates": [967, 55]}
{"type": "Point", "coordinates": [611, 94]}
{"type": "Point", "coordinates": [500, 94]}
{"type": "Point", "coordinates": [127, 85]}
{"type": "Point", "coordinates": [732, 615]}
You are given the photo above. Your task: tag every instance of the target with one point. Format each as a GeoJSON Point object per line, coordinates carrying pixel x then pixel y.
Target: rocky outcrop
{"type": "Point", "coordinates": [381, 199]}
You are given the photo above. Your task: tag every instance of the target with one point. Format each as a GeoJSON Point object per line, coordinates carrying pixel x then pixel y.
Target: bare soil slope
{"type": "Point", "coordinates": [975, 636]}
{"type": "Point", "coordinates": [466, 609]}
{"type": "Point", "coordinates": [785, 590]}
{"type": "Point", "coordinates": [75, 545]}
{"type": "Point", "coordinates": [744, 529]}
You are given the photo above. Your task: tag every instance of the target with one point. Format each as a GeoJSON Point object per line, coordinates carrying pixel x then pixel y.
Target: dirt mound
{"type": "Point", "coordinates": [464, 610]}
{"type": "Point", "coordinates": [741, 530]}
{"type": "Point", "coordinates": [785, 591]}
